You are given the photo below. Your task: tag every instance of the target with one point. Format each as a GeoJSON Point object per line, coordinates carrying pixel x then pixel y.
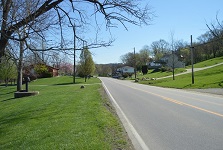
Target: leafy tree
{"type": "Point", "coordinates": [86, 64]}
{"type": "Point", "coordinates": [103, 70]}
{"type": "Point", "coordinates": [132, 60]}
{"type": "Point", "coordinates": [144, 54]}
{"type": "Point", "coordinates": [42, 71]}
{"type": "Point", "coordinates": [160, 48]}
{"type": "Point", "coordinates": [185, 55]}
{"type": "Point", "coordinates": [7, 70]}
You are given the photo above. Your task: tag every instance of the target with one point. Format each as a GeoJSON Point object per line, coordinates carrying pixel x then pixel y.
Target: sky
{"type": "Point", "coordinates": [180, 17]}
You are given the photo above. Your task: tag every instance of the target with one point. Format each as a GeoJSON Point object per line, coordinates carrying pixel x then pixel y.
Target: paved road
{"type": "Point", "coordinates": [169, 119]}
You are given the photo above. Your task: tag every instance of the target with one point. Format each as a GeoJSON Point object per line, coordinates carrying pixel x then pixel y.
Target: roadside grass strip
{"type": "Point", "coordinates": [60, 117]}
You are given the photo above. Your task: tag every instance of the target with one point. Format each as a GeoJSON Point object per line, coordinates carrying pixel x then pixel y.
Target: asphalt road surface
{"type": "Point", "coordinates": [169, 119]}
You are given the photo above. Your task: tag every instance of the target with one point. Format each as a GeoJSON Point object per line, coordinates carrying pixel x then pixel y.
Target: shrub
{"type": "Point", "coordinates": [42, 71]}
{"type": "Point", "coordinates": [144, 69]}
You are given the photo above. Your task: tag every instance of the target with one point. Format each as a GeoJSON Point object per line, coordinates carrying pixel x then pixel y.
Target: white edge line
{"type": "Point", "coordinates": [128, 126]}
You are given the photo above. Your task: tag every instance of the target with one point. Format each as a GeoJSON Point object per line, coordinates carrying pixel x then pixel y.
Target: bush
{"type": "Point", "coordinates": [42, 71]}
{"type": "Point", "coordinates": [125, 75]}
{"type": "Point", "coordinates": [47, 75]}
{"type": "Point", "coordinates": [144, 69]}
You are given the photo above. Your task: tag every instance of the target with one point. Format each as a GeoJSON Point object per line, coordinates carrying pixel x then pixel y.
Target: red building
{"type": "Point", "coordinates": [31, 71]}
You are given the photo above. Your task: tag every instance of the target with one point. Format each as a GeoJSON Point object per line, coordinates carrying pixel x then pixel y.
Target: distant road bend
{"type": "Point", "coordinates": [168, 119]}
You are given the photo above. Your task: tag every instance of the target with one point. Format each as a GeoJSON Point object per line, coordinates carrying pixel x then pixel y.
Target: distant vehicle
{"type": "Point", "coordinates": [115, 76]}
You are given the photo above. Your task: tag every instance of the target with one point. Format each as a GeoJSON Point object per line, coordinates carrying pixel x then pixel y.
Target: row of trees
{"type": "Point", "coordinates": [86, 67]}
{"type": "Point", "coordinates": [137, 59]}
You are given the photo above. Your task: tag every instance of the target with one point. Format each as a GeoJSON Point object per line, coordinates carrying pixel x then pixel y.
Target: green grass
{"type": "Point", "coordinates": [209, 78]}
{"type": "Point", "coordinates": [63, 80]}
{"type": "Point", "coordinates": [209, 62]}
{"type": "Point", "coordinates": [62, 116]}
{"type": "Point", "coordinates": [159, 74]}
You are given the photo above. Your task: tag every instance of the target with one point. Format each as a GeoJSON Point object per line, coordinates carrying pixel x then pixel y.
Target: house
{"type": "Point", "coordinates": [171, 60]}
{"type": "Point", "coordinates": [154, 65]}
{"type": "Point", "coordinates": [126, 69]}
{"type": "Point", "coordinates": [53, 70]}
{"type": "Point", "coordinates": [30, 71]}
{"type": "Point", "coordinates": [123, 72]}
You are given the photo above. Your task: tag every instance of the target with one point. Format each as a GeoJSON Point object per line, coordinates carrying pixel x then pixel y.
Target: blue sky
{"type": "Point", "coordinates": [181, 17]}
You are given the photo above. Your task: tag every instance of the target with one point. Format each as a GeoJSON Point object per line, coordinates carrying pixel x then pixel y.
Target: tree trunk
{"type": "Point", "coordinates": [6, 82]}
{"type": "Point", "coordinates": [19, 77]}
{"type": "Point", "coordinates": [3, 43]}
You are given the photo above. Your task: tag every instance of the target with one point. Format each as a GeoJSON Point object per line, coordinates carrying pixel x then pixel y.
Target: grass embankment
{"type": "Point", "coordinates": [159, 74]}
{"type": "Point", "coordinates": [62, 116]}
{"type": "Point", "coordinates": [208, 78]}
{"type": "Point", "coordinates": [209, 62]}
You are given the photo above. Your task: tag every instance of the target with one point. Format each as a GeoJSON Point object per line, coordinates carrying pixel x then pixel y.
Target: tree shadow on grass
{"type": "Point", "coordinates": [68, 83]}
{"type": "Point", "coordinates": [8, 93]}
{"type": "Point", "coordinates": [221, 84]}
{"type": "Point", "coordinates": [5, 100]}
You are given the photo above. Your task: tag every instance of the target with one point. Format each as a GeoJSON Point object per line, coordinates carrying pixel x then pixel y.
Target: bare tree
{"type": "Point", "coordinates": [22, 20]}
{"type": "Point", "coordinates": [216, 30]}
{"type": "Point", "coordinates": [160, 48]}
{"type": "Point", "coordinates": [120, 10]}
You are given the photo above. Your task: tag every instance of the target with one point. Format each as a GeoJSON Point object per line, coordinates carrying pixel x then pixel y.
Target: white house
{"type": "Point", "coordinates": [153, 65]}
{"type": "Point", "coordinates": [126, 69]}
{"type": "Point", "coordinates": [171, 60]}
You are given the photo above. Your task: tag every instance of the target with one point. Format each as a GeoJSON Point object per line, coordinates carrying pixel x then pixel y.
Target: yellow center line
{"type": "Point", "coordinates": [197, 99]}
{"type": "Point", "coordinates": [177, 102]}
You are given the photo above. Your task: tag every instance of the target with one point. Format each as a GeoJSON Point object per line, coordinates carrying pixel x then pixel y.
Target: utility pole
{"type": "Point", "coordinates": [192, 59]}
{"type": "Point", "coordinates": [135, 63]}
{"type": "Point", "coordinates": [74, 53]}
{"type": "Point", "coordinates": [43, 48]}
{"type": "Point", "coordinates": [173, 64]}
{"type": "Point", "coordinates": [173, 54]}
{"type": "Point", "coordinates": [74, 74]}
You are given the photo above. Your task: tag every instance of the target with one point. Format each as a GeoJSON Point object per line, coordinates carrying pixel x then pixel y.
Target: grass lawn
{"type": "Point", "coordinates": [159, 74]}
{"type": "Point", "coordinates": [62, 116]}
{"type": "Point", "coordinates": [209, 62]}
{"type": "Point", "coordinates": [210, 78]}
